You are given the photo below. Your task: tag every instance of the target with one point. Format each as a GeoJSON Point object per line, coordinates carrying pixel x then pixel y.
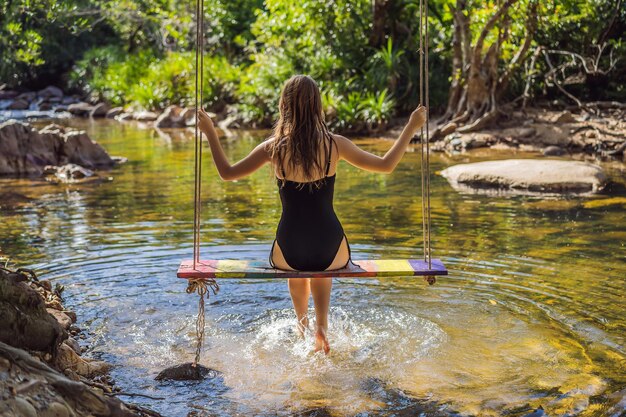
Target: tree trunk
{"type": "Point", "coordinates": [478, 79]}
{"type": "Point", "coordinates": [379, 21]}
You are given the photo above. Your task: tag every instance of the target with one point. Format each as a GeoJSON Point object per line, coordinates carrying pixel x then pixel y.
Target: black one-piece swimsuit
{"type": "Point", "coordinates": [309, 232]}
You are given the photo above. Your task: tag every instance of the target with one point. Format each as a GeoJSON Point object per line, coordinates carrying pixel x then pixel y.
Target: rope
{"type": "Point", "coordinates": [426, 73]}
{"type": "Point", "coordinates": [201, 286]}
{"type": "Point", "coordinates": [421, 102]}
{"type": "Point", "coordinates": [197, 134]}
{"type": "Point", "coordinates": [425, 139]}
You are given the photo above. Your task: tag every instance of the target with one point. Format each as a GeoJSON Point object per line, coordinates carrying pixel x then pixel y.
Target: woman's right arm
{"type": "Point", "coordinates": [356, 156]}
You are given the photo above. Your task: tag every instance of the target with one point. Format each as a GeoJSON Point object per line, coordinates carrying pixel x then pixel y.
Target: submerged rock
{"type": "Point", "coordinates": [539, 412]}
{"type": "Point", "coordinates": [68, 173]}
{"type": "Point", "coordinates": [13, 199]}
{"type": "Point", "coordinates": [186, 372]}
{"type": "Point", "coordinates": [532, 175]}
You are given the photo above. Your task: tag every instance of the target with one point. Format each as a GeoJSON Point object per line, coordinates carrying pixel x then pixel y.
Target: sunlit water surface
{"type": "Point", "coordinates": [531, 314]}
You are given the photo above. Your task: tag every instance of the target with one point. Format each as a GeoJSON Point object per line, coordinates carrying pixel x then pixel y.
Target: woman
{"type": "Point", "coordinates": [304, 157]}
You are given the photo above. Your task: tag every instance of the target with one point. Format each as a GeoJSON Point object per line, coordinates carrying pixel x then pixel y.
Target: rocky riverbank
{"type": "Point", "coordinates": [42, 370]}
{"type": "Point", "coordinates": [597, 128]}
{"type": "Point", "coordinates": [552, 132]}
{"type": "Point", "coordinates": [53, 102]}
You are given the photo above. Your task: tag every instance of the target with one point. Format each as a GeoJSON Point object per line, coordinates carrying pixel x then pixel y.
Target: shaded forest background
{"type": "Point", "coordinates": [363, 53]}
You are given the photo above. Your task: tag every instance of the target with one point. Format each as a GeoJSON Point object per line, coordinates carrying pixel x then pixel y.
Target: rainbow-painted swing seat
{"type": "Point", "coordinates": [232, 268]}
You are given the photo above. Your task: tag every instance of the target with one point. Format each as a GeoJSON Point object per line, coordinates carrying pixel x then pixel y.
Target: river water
{"type": "Point", "coordinates": [532, 313]}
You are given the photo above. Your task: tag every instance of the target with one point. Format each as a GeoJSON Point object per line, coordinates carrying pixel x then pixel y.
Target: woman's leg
{"type": "Point", "coordinates": [320, 287]}
{"type": "Point", "coordinates": [300, 290]}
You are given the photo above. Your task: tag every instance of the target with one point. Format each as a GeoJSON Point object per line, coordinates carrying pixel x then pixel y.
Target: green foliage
{"type": "Point", "coordinates": [228, 25]}
{"type": "Point", "coordinates": [377, 108]}
{"type": "Point", "coordinates": [358, 112]}
{"type": "Point", "coordinates": [36, 38]}
{"type": "Point", "coordinates": [140, 52]}
{"type": "Point", "coordinates": [154, 83]}
{"type": "Point", "coordinates": [110, 74]}
{"type": "Point", "coordinates": [327, 39]}
{"type": "Point", "coordinates": [349, 112]}
{"type": "Point", "coordinates": [386, 66]}
{"type": "Point", "coordinates": [259, 88]}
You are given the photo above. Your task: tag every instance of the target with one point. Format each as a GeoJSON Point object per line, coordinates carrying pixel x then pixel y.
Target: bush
{"type": "Point", "coordinates": [377, 109]}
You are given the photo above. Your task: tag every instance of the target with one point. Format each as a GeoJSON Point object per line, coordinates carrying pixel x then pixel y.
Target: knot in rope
{"type": "Point", "coordinates": [201, 286]}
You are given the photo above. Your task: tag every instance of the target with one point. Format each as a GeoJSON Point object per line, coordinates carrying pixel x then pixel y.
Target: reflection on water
{"type": "Point", "coordinates": [531, 314]}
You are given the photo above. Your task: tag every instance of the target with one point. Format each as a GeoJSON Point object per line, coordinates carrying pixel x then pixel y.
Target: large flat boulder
{"type": "Point", "coordinates": [531, 175]}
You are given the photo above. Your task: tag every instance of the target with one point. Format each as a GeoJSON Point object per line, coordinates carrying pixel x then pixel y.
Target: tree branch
{"type": "Point", "coordinates": [520, 56]}
{"type": "Point", "coordinates": [488, 26]}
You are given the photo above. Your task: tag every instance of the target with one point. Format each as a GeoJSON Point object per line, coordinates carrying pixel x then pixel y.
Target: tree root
{"type": "Point", "coordinates": [76, 395]}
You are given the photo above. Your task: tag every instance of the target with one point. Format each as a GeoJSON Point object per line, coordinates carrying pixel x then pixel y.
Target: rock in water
{"type": "Point", "coordinates": [115, 111]}
{"type": "Point", "coordinates": [99, 110]}
{"type": "Point", "coordinates": [69, 173]}
{"type": "Point", "coordinates": [186, 372]}
{"type": "Point", "coordinates": [81, 150]}
{"type": "Point", "coordinates": [171, 117]}
{"type": "Point", "coordinates": [145, 116]}
{"type": "Point", "coordinates": [81, 109]}
{"type": "Point", "coordinates": [528, 175]}
{"type": "Point", "coordinates": [26, 151]}
{"type": "Point", "coordinates": [19, 104]}
{"type": "Point", "coordinates": [50, 91]}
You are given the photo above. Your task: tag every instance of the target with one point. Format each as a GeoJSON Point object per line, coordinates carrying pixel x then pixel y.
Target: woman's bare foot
{"type": "Point", "coordinates": [321, 342]}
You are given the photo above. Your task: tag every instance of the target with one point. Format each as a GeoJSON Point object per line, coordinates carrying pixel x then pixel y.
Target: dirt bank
{"type": "Point", "coordinates": [42, 370]}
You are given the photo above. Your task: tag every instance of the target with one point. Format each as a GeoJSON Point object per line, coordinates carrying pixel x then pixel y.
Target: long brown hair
{"type": "Point", "coordinates": [301, 130]}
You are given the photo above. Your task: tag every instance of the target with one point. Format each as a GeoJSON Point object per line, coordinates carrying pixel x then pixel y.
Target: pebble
{"type": "Point", "coordinates": [55, 409]}
{"type": "Point", "coordinates": [25, 408]}
{"type": "Point", "coordinates": [553, 151]}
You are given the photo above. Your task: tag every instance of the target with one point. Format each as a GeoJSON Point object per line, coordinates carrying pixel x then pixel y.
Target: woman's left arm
{"type": "Point", "coordinates": [255, 159]}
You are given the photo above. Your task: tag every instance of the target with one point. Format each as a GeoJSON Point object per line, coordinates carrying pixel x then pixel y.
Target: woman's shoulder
{"type": "Point", "coordinates": [339, 140]}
